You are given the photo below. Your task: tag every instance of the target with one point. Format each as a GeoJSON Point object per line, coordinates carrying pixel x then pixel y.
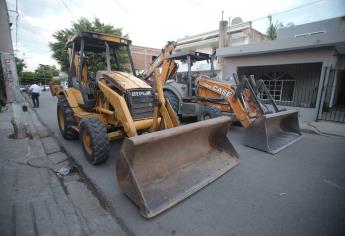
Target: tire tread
{"type": "Point", "coordinates": [173, 99]}
{"type": "Point", "coordinates": [68, 132]}
{"type": "Point", "coordinates": [99, 140]}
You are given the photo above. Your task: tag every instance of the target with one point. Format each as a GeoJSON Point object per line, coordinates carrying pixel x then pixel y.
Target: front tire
{"type": "Point", "coordinates": [206, 113]}
{"type": "Point", "coordinates": [173, 99]}
{"type": "Point", "coordinates": [95, 140]}
{"type": "Point", "coordinates": [66, 119]}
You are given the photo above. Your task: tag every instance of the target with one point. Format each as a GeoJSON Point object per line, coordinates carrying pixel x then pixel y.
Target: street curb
{"type": "Point", "coordinates": [315, 130]}
{"type": "Point", "coordinates": [98, 194]}
{"type": "Point", "coordinates": [39, 132]}
{"type": "Point", "coordinates": [72, 163]}
{"type": "Point", "coordinates": [310, 131]}
{"type": "Point", "coordinates": [67, 189]}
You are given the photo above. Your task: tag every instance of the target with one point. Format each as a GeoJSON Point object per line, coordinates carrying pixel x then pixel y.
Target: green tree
{"type": "Point", "coordinates": [61, 37]}
{"type": "Point", "coordinates": [42, 74]}
{"type": "Point", "coordinates": [45, 72]}
{"type": "Point", "coordinates": [28, 77]}
{"type": "Point", "coordinates": [272, 28]}
{"type": "Point", "coordinates": [20, 65]}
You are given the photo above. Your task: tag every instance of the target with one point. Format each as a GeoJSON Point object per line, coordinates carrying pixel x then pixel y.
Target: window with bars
{"type": "Point", "coordinates": [280, 90]}
{"type": "Point", "coordinates": [299, 82]}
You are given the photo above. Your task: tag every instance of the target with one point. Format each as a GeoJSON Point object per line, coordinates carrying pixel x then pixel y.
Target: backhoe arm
{"type": "Point", "coordinates": [169, 67]}
{"type": "Point", "coordinates": [210, 88]}
{"type": "Point", "coordinates": [166, 51]}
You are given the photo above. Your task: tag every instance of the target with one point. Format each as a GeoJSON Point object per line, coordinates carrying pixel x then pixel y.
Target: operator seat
{"type": "Point", "coordinates": [86, 87]}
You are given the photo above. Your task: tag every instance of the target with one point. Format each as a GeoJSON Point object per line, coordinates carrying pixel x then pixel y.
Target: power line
{"type": "Point", "coordinates": [288, 10]}
{"type": "Point", "coordinates": [17, 25]}
{"type": "Point", "coordinates": [67, 8]}
{"type": "Point", "coordinates": [16, 28]}
{"type": "Point", "coordinates": [121, 6]}
{"type": "Point", "coordinates": [195, 3]}
{"type": "Point", "coordinates": [305, 5]}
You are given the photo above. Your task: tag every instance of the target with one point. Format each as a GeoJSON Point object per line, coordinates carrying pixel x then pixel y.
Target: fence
{"type": "Point", "coordinates": [290, 85]}
{"type": "Point", "coordinates": [333, 107]}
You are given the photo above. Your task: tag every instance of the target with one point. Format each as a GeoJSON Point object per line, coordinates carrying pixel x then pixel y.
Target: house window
{"type": "Point", "coordinates": [281, 86]}
{"type": "Point", "coordinates": [280, 90]}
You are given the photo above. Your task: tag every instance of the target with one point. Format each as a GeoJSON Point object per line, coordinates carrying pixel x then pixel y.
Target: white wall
{"type": "Point", "coordinates": [304, 56]}
{"type": "Point", "coordinates": [325, 55]}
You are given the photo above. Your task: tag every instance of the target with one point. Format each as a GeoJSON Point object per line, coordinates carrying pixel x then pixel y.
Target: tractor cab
{"type": "Point", "coordinates": [188, 79]}
{"type": "Point", "coordinates": [90, 56]}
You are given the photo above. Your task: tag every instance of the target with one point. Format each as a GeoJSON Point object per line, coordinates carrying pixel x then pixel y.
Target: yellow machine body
{"type": "Point", "coordinates": [161, 163]}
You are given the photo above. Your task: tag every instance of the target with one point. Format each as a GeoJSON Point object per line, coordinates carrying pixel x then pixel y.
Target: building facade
{"type": "Point", "coordinates": [143, 56]}
{"type": "Point", "coordinates": [209, 42]}
{"type": "Point", "coordinates": [303, 68]}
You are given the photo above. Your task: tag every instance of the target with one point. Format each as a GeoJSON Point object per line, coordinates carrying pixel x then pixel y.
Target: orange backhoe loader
{"type": "Point", "coordinates": [266, 127]}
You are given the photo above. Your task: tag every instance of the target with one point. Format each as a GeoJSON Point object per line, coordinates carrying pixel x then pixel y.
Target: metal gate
{"type": "Point", "coordinates": [289, 84]}
{"type": "Point", "coordinates": [333, 99]}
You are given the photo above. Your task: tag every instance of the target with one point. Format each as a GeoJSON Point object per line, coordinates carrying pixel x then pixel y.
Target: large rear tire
{"type": "Point", "coordinates": [173, 99]}
{"type": "Point", "coordinates": [206, 113]}
{"type": "Point", "coordinates": [66, 119]}
{"type": "Point", "coordinates": [95, 140]}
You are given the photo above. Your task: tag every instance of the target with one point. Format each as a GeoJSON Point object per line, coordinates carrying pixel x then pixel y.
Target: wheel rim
{"type": "Point", "coordinates": [207, 116]}
{"type": "Point", "coordinates": [87, 142]}
{"type": "Point", "coordinates": [62, 119]}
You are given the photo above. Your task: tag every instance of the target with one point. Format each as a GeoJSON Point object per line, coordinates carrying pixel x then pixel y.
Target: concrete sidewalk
{"type": "Point", "coordinates": [36, 198]}
{"type": "Point", "coordinates": [324, 128]}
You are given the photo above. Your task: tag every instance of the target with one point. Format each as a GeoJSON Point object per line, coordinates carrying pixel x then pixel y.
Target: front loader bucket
{"type": "Point", "coordinates": [160, 169]}
{"type": "Point", "coordinates": [273, 132]}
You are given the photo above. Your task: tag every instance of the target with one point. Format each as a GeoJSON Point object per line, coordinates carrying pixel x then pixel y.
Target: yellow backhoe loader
{"type": "Point", "coordinates": [161, 163]}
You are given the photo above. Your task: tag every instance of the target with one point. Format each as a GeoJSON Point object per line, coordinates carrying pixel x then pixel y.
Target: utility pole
{"type": "Point", "coordinates": [223, 41]}
{"type": "Point", "coordinates": [9, 69]}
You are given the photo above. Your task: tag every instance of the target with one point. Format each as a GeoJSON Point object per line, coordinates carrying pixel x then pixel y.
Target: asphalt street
{"type": "Point", "coordinates": [299, 191]}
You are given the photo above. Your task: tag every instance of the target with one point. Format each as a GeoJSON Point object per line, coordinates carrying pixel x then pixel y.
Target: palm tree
{"type": "Point", "coordinates": [272, 28]}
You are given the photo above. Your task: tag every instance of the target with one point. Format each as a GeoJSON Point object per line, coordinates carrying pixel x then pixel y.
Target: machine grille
{"type": "Point", "coordinates": [141, 103]}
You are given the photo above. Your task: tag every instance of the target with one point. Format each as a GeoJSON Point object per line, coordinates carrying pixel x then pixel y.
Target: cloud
{"type": "Point", "coordinates": [33, 59]}
{"type": "Point", "coordinates": [152, 22]}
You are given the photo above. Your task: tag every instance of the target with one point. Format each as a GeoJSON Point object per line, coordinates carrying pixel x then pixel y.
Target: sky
{"type": "Point", "coordinates": [151, 23]}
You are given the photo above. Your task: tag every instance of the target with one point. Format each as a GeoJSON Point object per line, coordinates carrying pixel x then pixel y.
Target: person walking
{"type": "Point", "coordinates": [35, 93]}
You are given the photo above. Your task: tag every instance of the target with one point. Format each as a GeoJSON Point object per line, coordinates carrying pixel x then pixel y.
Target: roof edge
{"type": "Point", "coordinates": [284, 44]}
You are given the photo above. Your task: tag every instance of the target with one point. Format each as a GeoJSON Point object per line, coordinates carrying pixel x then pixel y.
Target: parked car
{"type": "Point", "coordinates": [44, 87]}
{"type": "Point", "coordinates": [25, 88]}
